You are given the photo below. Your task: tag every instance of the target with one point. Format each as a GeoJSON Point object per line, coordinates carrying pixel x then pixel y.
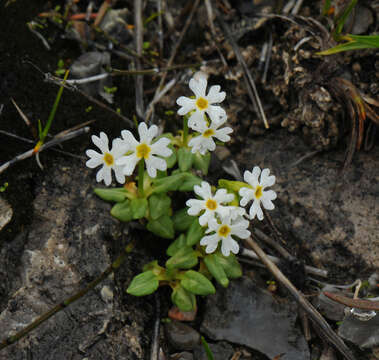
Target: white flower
{"type": "Point", "coordinates": [202, 103]}
{"type": "Point", "coordinates": [107, 158]}
{"type": "Point", "coordinates": [205, 141]}
{"type": "Point", "coordinates": [224, 231]}
{"type": "Point", "coordinates": [257, 192]}
{"type": "Point", "coordinates": [144, 150]}
{"type": "Point", "coordinates": [211, 204]}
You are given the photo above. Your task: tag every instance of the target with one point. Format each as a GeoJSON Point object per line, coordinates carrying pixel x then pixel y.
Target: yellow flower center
{"type": "Point", "coordinates": [201, 103]}
{"type": "Point", "coordinates": [224, 231]}
{"type": "Point", "coordinates": [208, 133]}
{"type": "Point", "coordinates": [258, 192]}
{"type": "Point", "coordinates": [143, 151]}
{"type": "Point", "coordinates": [211, 204]}
{"type": "Point", "coordinates": [108, 159]}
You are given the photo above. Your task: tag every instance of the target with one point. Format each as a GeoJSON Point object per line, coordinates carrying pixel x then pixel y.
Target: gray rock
{"type": "Point", "coordinates": [362, 333]}
{"type": "Point", "coordinates": [66, 246]}
{"type": "Point", "coordinates": [245, 314]}
{"type": "Point", "coordinates": [182, 356]}
{"type": "Point", "coordinates": [181, 336]}
{"type": "Point", "coordinates": [6, 213]}
{"type": "Point", "coordinates": [220, 351]}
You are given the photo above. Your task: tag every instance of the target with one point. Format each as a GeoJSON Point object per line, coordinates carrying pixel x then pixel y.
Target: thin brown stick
{"type": "Point", "coordinates": [250, 84]}
{"type": "Point", "coordinates": [150, 109]}
{"type": "Point", "coordinates": [45, 146]}
{"type": "Point", "coordinates": [353, 303]}
{"type": "Point", "coordinates": [138, 43]}
{"type": "Point", "coordinates": [47, 315]}
{"type": "Point", "coordinates": [313, 314]}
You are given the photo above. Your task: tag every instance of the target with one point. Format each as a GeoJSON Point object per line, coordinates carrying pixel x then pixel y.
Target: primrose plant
{"type": "Point", "coordinates": [207, 227]}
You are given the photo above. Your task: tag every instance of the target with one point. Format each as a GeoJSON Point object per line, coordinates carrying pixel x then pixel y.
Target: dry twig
{"type": "Point", "coordinates": [250, 84]}
{"type": "Point", "coordinates": [313, 314]}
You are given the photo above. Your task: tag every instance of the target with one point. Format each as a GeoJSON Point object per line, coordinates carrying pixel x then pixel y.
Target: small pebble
{"type": "Point", "coordinates": [181, 336]}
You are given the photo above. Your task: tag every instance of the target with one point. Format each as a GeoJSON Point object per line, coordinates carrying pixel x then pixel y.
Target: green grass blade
{"type": "Point", "coordinates": [326, 7]}
{"type": "Point", "coordinates": [53, 111]}
{"type": "Point", "coordinates": [356, 42]}
{"type": "Point", "coordinates": [340, 20]}
{"type": "Point", "coordinates": [207, 349]}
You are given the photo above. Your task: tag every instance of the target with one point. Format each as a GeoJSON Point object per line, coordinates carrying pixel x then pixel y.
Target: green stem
{"type": "Point", "coordinates": [114, 266]}
{"type": "Point", "coordinates": [185, 130]}
{"type": "Point", "coordinates": [141, 172]}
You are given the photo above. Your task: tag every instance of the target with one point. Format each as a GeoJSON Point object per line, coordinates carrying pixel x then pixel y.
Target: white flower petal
{"type": "Point", "coordinates": [197, 120]}
{"type": "Point", "coordinates": [100, 174]}
{"type": "Point", "coordinates": [160, 147]}
{"type": "Point", "coordinates": [254, 209]}
{"type": "Point", "coordinates": [93, 163]}
{"type": "Point", "coordinates": [186, 104]}
{"type": "Point", "coordinates": [153, 164]}
{"type": "Point", "coordinates": [195, 206]}
{"type": "Point", "coordinates": [213, 225]}
{"type": "Point", "coordinates": [222, 134]}
{"type": "Point", "coordinates": [129, 139]}
{"type": "Point", "coordinates": [267, 204]}
{"type": "Point", "coordinates": [128, 162]}
{"type": "Point", "coordinates": [120, 177]}
{"type": "Point", "coordinates": [267, 180]}
{"type": "Point", "coordinates": [223, 211]}
{"type": "Point", "coordinates": [107, 175]}
{"type": "Point", "coordinates": [204, 190]}
{"type": "Point", "coordinates": [214, 94]}
{"type": "Point", "coordinates": [240, 231]}
{"type": "Point", "coordinates": [229, 245]}
{"type": "Point", "coordinates": [216, 113]}
{"type": "Point", "coordinates": [246, 194]}
{"type": "Point", "coordinates": [119, 148]}
{"type": "Point", "coordinates": [222, 196]}
{"type": "Point", "coordinates": [206, 217]}
{"type": "Point", "coordinates": [145, 133]}
{"type": "Point", "coordinates": [195, 144]}
{"type": "Point", "coordinates": [101, 142]}
{"type": "Point", "coordinates": [211, 243]}
{"type": "Point", "coordinates": [198, 87]}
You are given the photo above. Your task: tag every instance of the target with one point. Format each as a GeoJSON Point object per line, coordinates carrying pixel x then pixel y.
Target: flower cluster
{"type": "Point", "coordinates": [216, 219]}
{"type": "Point", "coordinates": [198, 108]}
{"type": "Point", "coordinates": [127, 152]}
{"type": "Point", "coordinates": [225, 222]}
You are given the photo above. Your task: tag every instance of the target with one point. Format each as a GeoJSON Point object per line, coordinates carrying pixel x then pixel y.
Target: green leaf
{"type": "Point", "coordinates": [168, 183]}
{"type": "Point", "coordinates": [183, 299]}
{"type": "Point", "coordinates": [122, 211]}
{"type": "Point", "coordinates": [171, 160]}
{"type": "Point", "coordinates": [189, 182]}
{"type": "Point", "coordinates": [159, 204]}
{"type": "Point", "coordinates": [143, 284]}
{"type": "Point", "coordinates": [182, 221]}
{"type": "Point", "coordinates": [162, 227]}
{"type": "Point", "coordinates": [116, 194]}
{"type": "Point", "coordinates": [232, 186]}
{"type": "Point", "coordinates": [138, 208]}
{"type": "Point", "coordinates": [185, 158]}
{"type": "Point", "coordinates": [230, 265]}
{"type": "Point", "coordinates": [355, 42]}
{"type": "Point", "coordinates": [184, 258]}
{"type": "Point", "coordinates": [197, 283]}
{"type": "Point", "coordinates": [176, 245]}
{"type": "Point", "coordinates": [201, 162]}
{"type": "Point", "coordinates": [195, 233]}
{"type": "Point", "coordinates": [216, 269]}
